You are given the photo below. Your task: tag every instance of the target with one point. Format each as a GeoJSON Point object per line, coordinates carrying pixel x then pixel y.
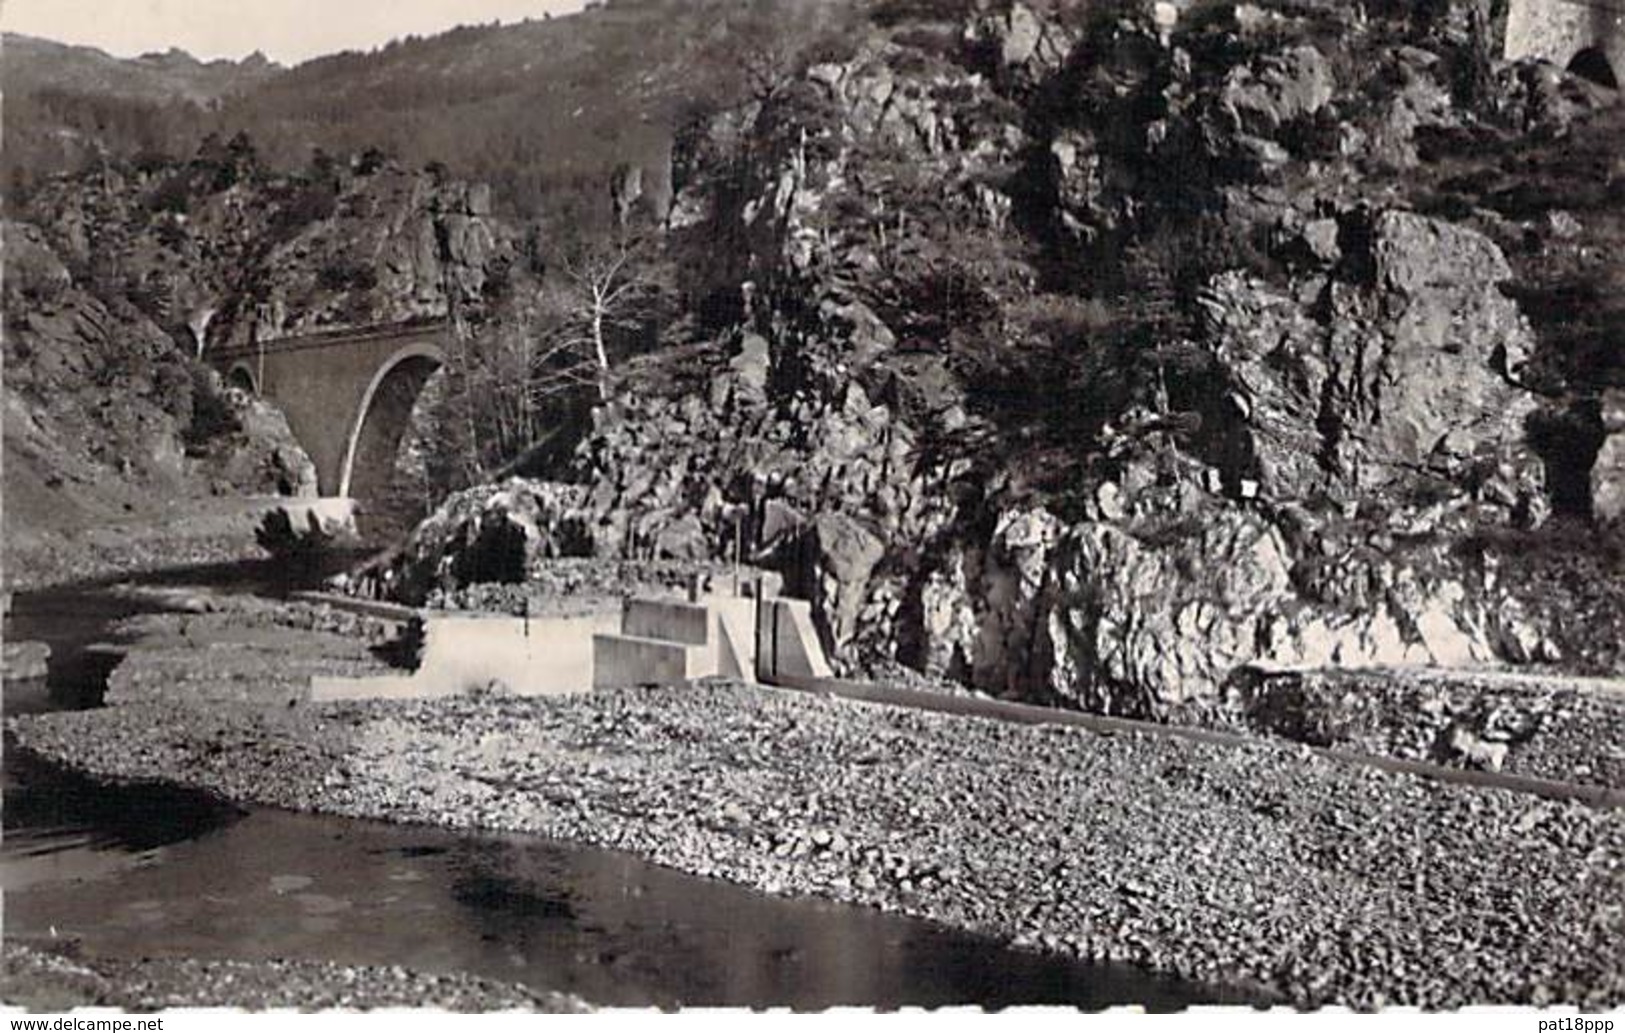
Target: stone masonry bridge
{"type": "Point", "coordinates": [1585, 36]}
{"type": "Point", "coordinates": [347, 395]}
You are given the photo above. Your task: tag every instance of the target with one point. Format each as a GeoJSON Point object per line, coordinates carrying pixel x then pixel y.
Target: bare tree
{"type": "Point", "coordinates": [525, 365]}
{"type": "Point", "coordinates": [198, 323]}
{"type": "Point", "coordinates": [602, 292]}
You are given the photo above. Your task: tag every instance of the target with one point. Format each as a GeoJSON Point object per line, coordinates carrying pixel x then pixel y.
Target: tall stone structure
{"type": "Point", "coordinates": [1585, 36]}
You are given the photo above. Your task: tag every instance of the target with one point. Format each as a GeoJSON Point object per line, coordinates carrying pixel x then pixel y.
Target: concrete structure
{"type": "Point", "coordinates": [536, 656]}
{"type": "Point", "coordinates": [347, 395]}
{"type": "Point", "coordinates": [788, 643]}
{"type": "Point", "coordinates": [1584, 36]}
{"type": "Point", "coordinates": [667, 642]}
{"type": "Point", "coordinates": [644, 642]}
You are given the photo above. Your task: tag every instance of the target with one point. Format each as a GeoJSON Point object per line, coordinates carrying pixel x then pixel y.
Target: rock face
{"type": "Point", "coordinates": [1608, 471]}
{"type": "Point", "coordinates": [105, 416]}
{"type": "Point", "coordinates": [1402, 366]}
{"type": "Point", "coordinates": [220, 251]}
{"type": "Point", "coordinates": [497, 533]}
{"type": "Point", "coordinates": [66, 350]}
{"type": "Point", "coordinates": [1021, 43]}
{"type": "Point", "coordinates": [1276, 90]}
{"type": "Point", "coordinates": [130, 274]}
{"type": "Point", "coordinates": [1345, 413]}
{"type": "Point", "coordinates": [260, 455]}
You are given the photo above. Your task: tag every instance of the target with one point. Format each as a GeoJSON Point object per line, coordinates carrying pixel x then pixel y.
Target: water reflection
{"type": "Point", "coordinates": [601, 924]}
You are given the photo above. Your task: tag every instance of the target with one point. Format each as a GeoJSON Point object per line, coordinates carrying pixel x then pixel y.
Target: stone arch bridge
{"type": "Point", "coordinates": [347, 395]}
{"type": "Point", "coordinates": [1584, 36]}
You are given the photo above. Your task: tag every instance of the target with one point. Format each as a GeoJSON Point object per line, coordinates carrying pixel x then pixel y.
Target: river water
{"type": "Point", "coordinates": [148, 871]}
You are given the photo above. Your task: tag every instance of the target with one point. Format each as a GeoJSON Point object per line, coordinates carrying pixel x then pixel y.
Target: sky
{"type": "Point", "coordinates": [288, 31]}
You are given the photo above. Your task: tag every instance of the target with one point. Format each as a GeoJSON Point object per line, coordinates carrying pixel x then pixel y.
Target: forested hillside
{"type": "Point", "coordinates": [540, 110]}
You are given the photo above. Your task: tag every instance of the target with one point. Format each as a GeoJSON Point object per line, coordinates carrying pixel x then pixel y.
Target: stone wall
{"type": "Point", "coordinates": [1557, 30]}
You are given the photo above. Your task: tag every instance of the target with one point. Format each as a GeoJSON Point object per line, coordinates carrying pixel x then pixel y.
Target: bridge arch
{"type": "Point", "coordinates": [1592, 63]}
{"type": "Point", "coordinates": [381, 419]}
{"type": "Point", "coordinates": [242, 376]}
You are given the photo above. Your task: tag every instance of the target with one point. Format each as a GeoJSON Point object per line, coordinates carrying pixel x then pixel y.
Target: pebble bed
{"type": "Point", "coordinates": [238, 653]}
{"type": "Point", "coordinates": [1543, 726]}
{"type": "Point", "coordinates": [50, 980]}
{"type": "Point", "coordinates": [1262, 869]}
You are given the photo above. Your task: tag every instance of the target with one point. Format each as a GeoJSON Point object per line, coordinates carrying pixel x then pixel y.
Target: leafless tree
{"type": "Point", "coordinates": [198, 323]}
{"type": "Point", "coordinates": [601, 291]}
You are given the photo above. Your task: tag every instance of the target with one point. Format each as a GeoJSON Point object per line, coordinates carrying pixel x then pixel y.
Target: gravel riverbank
{"type": "Point", "coordinates": [209, 531]}
{"type": "Point", "coordinates": [1258, 866]}
{"type": "Point", "coordinates": [1541, 725]}
{"type": "Point", "coordinates": [51, 980]}
{"type": "Point", "coordinates": [241, 648]}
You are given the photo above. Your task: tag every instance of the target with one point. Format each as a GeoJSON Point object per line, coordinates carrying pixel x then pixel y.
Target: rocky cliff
{"type": "Point", "coordinates": [127, 275]}
{"type": "Point", "coordinates": [220, 249]}
{"type": "Point", "coordinates": [1091, 357]}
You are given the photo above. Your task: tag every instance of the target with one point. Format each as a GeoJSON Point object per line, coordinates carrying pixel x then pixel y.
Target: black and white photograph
{"type": "Point", "coordinates": [1109, 506]}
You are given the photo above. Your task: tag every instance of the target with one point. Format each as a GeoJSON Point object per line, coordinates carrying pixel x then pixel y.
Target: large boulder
{"type": "Point", "coordinates": [847, 554]}
{"type": "Point", "coordinates": [1139, 623]}
{"type": "Point", "coordinates": [1276, 90]}
{"type": "Point", "coordinates": [262, 456]}
{"type": "Point", "coordinates": [495, 533]}
{"type": "Point", "coordinates": [1402, 367]}
{"type": "Point", "coordinates": [1021, 43]}
{"type": "Point", "coordinates": [1608, 470]}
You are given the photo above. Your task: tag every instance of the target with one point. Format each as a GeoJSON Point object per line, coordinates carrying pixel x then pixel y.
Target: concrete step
{"type": "Point", "coordinates": [667, 620]}
{"type": "Point", "coordinates": [622, 660]}
{"type": "Point", "coordinates": [789, 642]}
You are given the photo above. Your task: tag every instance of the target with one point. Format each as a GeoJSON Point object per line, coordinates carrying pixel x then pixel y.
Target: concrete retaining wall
{"type": "Point", "coordinates": [529, 657]}
{"type": "Point", "coordinates": [650, 642]}
{"type": "Point", "coordinates": [624, 660]}
{"type": "Point", "coordinates": [788, 642]}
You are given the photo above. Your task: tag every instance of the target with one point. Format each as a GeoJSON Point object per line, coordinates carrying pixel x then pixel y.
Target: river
{"type": "Point", "coordinates": [149, 871]}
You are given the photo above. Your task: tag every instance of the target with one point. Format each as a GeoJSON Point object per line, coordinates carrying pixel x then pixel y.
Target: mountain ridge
{"type": "Point", "coordinates": [534, 108]}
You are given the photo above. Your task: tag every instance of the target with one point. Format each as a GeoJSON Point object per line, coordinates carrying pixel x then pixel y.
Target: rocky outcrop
{"type": "Point", "coordinates": [1299, 436]}
{"type": "Point", "coordinates": [495, 533]}
{"type": "Point", "coordinates": [1608, 469]}
{"type": "Point", "coordinates": [260, 454]}
{"type": "Point", "coordinates": [1399, 368]}
{"type": "Point", "coordinates": [104, 414]}
{"type": "Point", "coordinates": [1021, 44]}
{"type": "Point", "coordinates": [221, 251]}
{"type": "Point", "coordinates": [1277, 89]}
{"type": "Point", "coordinates": [69, 359]}
{"type": "Point", "coordinates": [397, 246]}
{"type": "Point", "coordinates": [1152, 615]}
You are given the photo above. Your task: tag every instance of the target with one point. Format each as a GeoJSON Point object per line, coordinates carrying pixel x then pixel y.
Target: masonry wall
{"type": "Point", "coordinates": [1556, 30]}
